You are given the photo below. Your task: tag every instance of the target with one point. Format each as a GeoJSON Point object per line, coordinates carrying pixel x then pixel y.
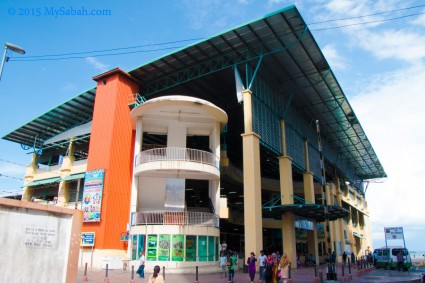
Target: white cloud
{"type": "Point", "coordinates": [201, 13]}
{"type": "Point", "coordinates": [400, 44]}
{"type": "Point", "coordinates": [69, 87]}
{"type": "Point", "coordinates": [420, 20]}
{"type": "Point", "coordinates": [97, 64]}
{"type": "Point", "coordinates": [391, 112]}
{"type": "Point", "coordinates": [336, 61]}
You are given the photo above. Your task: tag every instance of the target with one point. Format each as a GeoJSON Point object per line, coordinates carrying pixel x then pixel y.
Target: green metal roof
{"type": "Point", "coordinates": [287, 49]}
{"type": "Point", "coordinates": [74, 177]}
{"type": "Point", "coordinates": [44, 181]}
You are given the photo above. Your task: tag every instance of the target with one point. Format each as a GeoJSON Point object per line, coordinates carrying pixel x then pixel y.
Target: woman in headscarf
{"type": "Point", "coordinates": [284, 268]}
{"type": "Point", "coordinates": [268, 270]}
{"type": "Point", "coordinates": [275, 263]}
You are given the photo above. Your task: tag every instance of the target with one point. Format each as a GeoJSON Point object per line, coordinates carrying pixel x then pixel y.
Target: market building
{"type": "Point", "coordinates": [245, 137]}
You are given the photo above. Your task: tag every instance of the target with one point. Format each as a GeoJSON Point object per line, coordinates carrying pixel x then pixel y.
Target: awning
{"type": "Point", "coordinates": [358, 235]}
{"type": "Point", "coordinates": [42, 182]}
{"type": "Point", "coordinates": [73, 177]}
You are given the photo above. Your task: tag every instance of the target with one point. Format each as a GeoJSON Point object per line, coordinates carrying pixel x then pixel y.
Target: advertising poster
{"type": "Point", "coordinates": [164, 247]}
{"type": "Point", "coordinates": [151, 247]}
{"type": "Point", "coordinates": [92, 195]}
{"type": "Point", "coordinates": [178, 248]}
{"type": "Point", "coordinates": [202, 246]}
{"type": "Point", "coordinates": [190, 248]}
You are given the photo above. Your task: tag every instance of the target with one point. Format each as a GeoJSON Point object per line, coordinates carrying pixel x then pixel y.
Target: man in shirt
{"type": "Point", "coordinates": [262, 259]}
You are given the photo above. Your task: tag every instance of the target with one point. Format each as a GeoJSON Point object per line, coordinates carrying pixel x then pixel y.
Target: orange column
{"type": "Point", "coordinates": [111, 148]}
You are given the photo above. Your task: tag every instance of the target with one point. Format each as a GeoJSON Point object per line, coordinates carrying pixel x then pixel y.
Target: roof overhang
{"type": "Point", "coordinates": [317, 212]}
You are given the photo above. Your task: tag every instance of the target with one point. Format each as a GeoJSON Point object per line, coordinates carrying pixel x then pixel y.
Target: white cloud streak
{"type": "Point", "coordinates": [97, 64]}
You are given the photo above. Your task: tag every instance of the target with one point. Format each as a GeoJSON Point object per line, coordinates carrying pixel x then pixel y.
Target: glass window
{"type": "Point", "coordinates": [164, 248]}
{"type": "Point", "coordinates": [202, 246]}
{"type": "Point", "coordinates": [151, 247]}
{"type": "Point", "coordinates": [190, 248]}
{"type": "Point", "coordinates": [211, 240]}
{"type": "Point", "coordinates": [177, 252]}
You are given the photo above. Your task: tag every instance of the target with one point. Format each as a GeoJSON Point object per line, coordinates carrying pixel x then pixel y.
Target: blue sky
{"type": "Point", "coordinates": [380, 67]}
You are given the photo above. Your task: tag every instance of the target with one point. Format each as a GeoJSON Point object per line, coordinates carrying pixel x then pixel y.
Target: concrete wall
{"type": "Point", "coordinates": [40, 243]}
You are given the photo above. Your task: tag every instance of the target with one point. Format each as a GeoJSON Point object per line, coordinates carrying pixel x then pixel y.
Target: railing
{"type": "Point", "coordinates": [179, 154]}
{"type": "Point", "coordinates": [175, 218]}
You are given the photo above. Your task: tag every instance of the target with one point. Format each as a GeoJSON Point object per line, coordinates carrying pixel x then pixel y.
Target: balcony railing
{"type": "Point", "coordinates": [177, 154]}
{"type": "Point", "coordinates": [175, 218]}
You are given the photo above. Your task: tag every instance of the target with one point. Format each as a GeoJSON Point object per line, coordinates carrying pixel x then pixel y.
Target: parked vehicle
{"type": "Point", "coordinates": [387, 258]}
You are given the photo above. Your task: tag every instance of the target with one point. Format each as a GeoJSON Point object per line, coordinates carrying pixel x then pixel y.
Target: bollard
{"type": "Point", "coordinates": [343, 273]}
{"type": "Point", "coordinates": [85, 273]}
{"type": "Point", "coordinates": [163, 272]}
{"type": "Point", "coordinates": [316, 279]}
{"type": "Point", "coordinates": [106, 280]}
{"type": "Point", "coordinates": [196, 275]}
{"type": "Point", "coordinates": [132, 274]}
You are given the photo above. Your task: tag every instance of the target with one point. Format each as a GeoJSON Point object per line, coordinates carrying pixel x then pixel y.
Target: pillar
{"type": "Point", "coordinates": [68, 161]}
{"type": "Point", "coordinates": [287, 192]}
{"type": "Point", "coordinates": [251, 181]}
{"type": "Point", "coordinates": [310, 198]}
{"type": "Point", "coordinates": [112, 149]}
{"type": "Point", "coordinates": [29, 175]}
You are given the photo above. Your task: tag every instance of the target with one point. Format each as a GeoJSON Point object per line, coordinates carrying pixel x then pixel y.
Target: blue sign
{"type": "Point", "coordinates": [87, 239]}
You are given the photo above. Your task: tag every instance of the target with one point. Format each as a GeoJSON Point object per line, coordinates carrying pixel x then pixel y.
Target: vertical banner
{"type": "Point", "coordinates": [164, 248]}
{"type": "Point", "coordinates": [92, 196]}
{"type": "Point", "coordinates": [190, 248]}
{"type": "Point", "coordinates": [134, 247]}
{"type": "Point", "coordinates": [151, 247]}
{"type": "Point", "coordinates": [178, 248]}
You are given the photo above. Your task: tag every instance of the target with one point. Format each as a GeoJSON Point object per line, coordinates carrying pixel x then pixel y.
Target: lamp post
{"type": "Point", "coordinates": [12, 47]}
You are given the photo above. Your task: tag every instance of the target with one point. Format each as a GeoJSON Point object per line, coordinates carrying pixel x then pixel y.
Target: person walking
{"type": "Point", "coordinates": [275, 267]}
{"type": "Point", "coordinates": [353, 259]}
{"type": "Point", "coordinates": [251, 266]}
{"type": "Point", "coordinates": [156, 277]}
{"type": "Point", "coordinates": [262, 263]}
{"type": "Point", "coordinates": [284, 268]}
{"type": "Point", "coordinates": [268, 270]}
{"type": "Point", "coordinates": [231, 265]}
{"type": "Point", "coordinates": [222, 263]}
{"type": "Point", "coordinates": [141, 269]}
{"type": "Point", "coordinates": [344, 257]}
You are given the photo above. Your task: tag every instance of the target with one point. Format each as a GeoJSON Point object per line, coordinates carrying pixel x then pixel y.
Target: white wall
{"type": "Point", "coordinates": [39, 245]}
{"type": "Point", "coordinates": [152, 193]}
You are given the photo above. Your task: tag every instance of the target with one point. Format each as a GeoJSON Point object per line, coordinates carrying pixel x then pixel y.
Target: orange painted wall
{"type": "Point", "coordinates": [111, 148]}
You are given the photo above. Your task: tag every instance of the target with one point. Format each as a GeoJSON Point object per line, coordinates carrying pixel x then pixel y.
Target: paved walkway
{"type": "Point", "coordinates": [300, 275]}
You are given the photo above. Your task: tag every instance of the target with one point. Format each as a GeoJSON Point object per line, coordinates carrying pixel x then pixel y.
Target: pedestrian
{"type": "Point", "coordinates": [224, 247]}
{"type": "Point", "coordinates": [333, 257]}
{"type": "Point", "coordinates": [275, 268]}
{"type": "Point", "coordinates": [156, 277]}
{"type": "Point", "coordinates": [141, 269]}
{"type": "Point", "coordinates": [284, 268]}
{"type": "Point", "coordinates": [344, 257]}
{"type": "Point", "coordinates": [231, 265]}
{"type": "Point", "coordinates": [375, 258]}
{"type": "Point", "coordinates": [251, 266]}
{"type": "Point", "coordinates": [326, 258]}
{"type": "Point", "coordinates": [262, 263]}
{"type": "Point", "coordinates": [400, 261]}
{"type": "Point", "coordinates": [268, 270]}
{"type": "Point", "coordinates": [222, 263]}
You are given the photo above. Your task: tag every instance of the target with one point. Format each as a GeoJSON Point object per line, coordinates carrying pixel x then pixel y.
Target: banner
{"type": "Point", "coordinates": [151, 247]}
{"type": "Point", "coordinates": [92, 195]}
{"type": "Point", "coordinates": [164, 247]}
{"type": "Point", "coordinates": [178, 248]}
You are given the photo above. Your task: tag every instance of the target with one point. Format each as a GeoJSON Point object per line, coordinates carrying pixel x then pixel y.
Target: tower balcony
{"type": "Point", "coordinates": [175, 162]}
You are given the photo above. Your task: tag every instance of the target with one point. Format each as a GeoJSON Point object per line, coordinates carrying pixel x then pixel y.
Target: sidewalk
{"type": "Point", "coordinates": [301, 275]}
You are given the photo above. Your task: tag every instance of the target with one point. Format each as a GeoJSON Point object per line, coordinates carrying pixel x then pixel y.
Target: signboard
{"type": "Point", "coordinates": [92, 195]}
{"type": "Point", "coordinates": [87, 239]}
{"type": "Point", "coordinates": [393, 233]}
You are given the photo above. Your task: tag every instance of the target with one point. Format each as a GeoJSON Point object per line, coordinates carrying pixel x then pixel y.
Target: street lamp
{"type": "Point", "coordinates": [12, 47]}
